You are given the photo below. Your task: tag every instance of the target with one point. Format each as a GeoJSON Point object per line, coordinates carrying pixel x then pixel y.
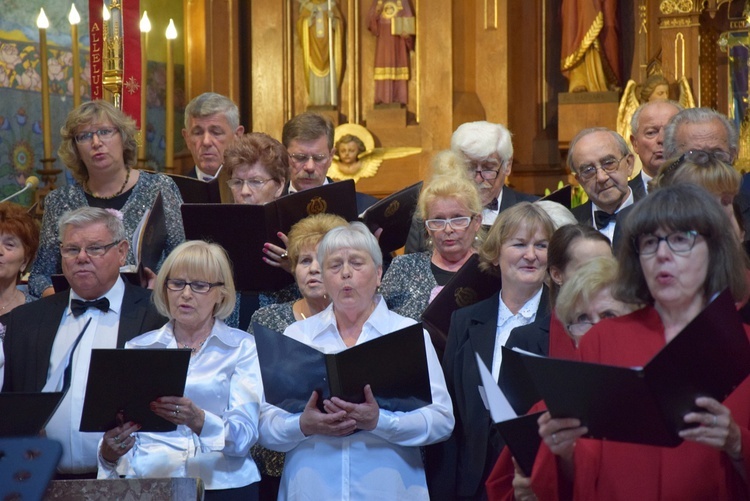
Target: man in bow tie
{"type": "Point", "coordinates": [44, 337]}
{"type": "Point", "coordinates": [488, 151]}
{"type": "Point", "coordinates": [601, 162]}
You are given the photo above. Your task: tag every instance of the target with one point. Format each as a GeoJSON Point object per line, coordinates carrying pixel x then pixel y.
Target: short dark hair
{"type": "Point", "coordinates": [307, 126]}
{"type": "Point", "coordinates": [682, 207]}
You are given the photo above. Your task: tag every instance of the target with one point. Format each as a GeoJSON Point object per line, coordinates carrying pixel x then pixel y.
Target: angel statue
{"type": "Point", "coordinates": [356, 155]}
{"type": "Point", "coordinates": [654, 88]}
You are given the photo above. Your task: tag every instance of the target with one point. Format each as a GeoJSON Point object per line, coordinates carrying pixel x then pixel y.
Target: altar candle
{"type": "Point", "coordinates": [43, 23]}
{"type": "Point", "coordinates": [171, 35]}
{"type": "Point", "coordinates": [74, 19]}
{"type": "Point", "coordinates": [145, 28]}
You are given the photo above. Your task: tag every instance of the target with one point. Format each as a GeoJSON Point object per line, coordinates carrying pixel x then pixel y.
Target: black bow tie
{"type": "Point", "coordinates": [79, 307]}
{"type": "Point", "coordinates": [602, 219]}
{"type": "Point", "coordinates": [492, 205]}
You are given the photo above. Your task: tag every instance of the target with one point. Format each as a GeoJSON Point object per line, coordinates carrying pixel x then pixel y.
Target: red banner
{"type": "Point", "coordinates": [131, 54]}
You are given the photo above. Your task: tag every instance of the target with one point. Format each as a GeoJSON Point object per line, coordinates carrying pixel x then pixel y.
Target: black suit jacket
{"type": "Point", "coordinates": [31, 329]}
{"type": "Point", "coordinates": [363, 199]}
{"type": "Point", "coordinates": [583, 214]}
{"type": "Point", "coordinates": [636, 184]}
{"type": "Point", "coordinates": [459, 467]}
{"type": "Point", "coordinates": [416, 241]}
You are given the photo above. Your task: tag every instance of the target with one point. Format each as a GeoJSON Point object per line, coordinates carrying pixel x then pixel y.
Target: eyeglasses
{"type": "Point", "coordinates": [253, 184]}
{"type": "Point", "coordinates": [199, 287]}
{"type": "Point", "coordinates": [457, 223]}
{"type": "Point", "coordinates": [103, 135]}
{"type": "Point", "coordinates": [488, 170]}
{"type": "Point", "coordinates": [72, 252]}
{"type": "Point", "coordinates": [679, 242]}
{"type": "Point", "coordinates": [582, 326]}
{"type": "Point", "coordinates": [700, 157]}
{"type": "Point", "coordinates": [588, 171]}
{"type": "Point", "coordinates": [302, 159]}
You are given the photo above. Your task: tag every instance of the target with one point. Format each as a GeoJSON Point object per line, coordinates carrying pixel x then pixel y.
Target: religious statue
{"type": "Point", "coordinates": [654, 88]}
{"type": "Point", "coordinates": [393, 23]}
{"type": "Point", "coordinates": [320, 29]}
{"type": "Point", "coordinates": [356, 155]}
{"type": "Point", "coordinates": [590, 57]}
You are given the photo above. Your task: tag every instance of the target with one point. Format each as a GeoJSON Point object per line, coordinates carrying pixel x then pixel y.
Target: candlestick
{"type": "Point", "coordinates": [169, 160]}
{"type": "Point", "coordinates": [43, 23]}
{"type": "Point", "coordinates": [145, 28]}
{"type": "Point", "coordinates": [74, 19]}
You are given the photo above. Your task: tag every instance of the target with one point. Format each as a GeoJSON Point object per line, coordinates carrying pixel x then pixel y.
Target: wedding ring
{"type": "Point", "coordinates": [716, 420]}
{"type": "Point", "coordinates": [554, 438]}
{"type": "Point", "coordinates": [177, 409]}
{"type": "Point", "coordinates": [284, 255]}
{"type": "Point", "coordinates": [117, 439]}
{"type": "Point", "coordinates": [122, 445]}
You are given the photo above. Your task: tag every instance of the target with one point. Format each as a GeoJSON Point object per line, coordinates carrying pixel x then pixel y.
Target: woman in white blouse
{"type": "Point", "coordinates": [354, 451]}
{"type": "Point", "coordinates": [217, 418]}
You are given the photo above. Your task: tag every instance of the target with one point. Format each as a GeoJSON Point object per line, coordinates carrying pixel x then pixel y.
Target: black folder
{"type": "Point", "coordinates": [243, 229]}
{"type": "Point", "coordinates": [393, 214]}
{"type": "Point", "coordinates": [122, 383]}
{"type": "Point", "coordinates": [468, 286]}
{"type": "Point", "coordinates": [394, 365]}
{"type": "Point", "coordinates": [151, 240]}
{"type": "Point", "coordinates": [562, 196]}
{"type": "Point", "coordinates": [26, 414]}
{"type": "Point", "coordinates": [195, 191]}
{"type": "Point", "coordinates": [709, 357]}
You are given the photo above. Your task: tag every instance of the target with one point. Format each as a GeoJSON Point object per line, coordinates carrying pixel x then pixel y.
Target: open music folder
{"type": "Point", "coordinates": [122, 384]}
{"type": "Point", "coordinates": [393, 213]}
{"type": "Point", "coordinates": [646, 405]}
{"type": "Point", "coordinates": [243, 229]}
{"type": "Point", "coordinates": [26, 414]}
{"type": "Point", "coordinates": [394, 365]}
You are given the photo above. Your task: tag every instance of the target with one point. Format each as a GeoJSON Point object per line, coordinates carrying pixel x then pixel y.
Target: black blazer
{"type": "Point", "coordinates": [636, 184]}
{"type": "Point", "coordinates": [31, 329]}
{"type": "Point", "coordinates": [459, 467]}
{"type": "Point", "coordinates": [416, 241]}
{"type": "Point", "coordinates": [583, 214]}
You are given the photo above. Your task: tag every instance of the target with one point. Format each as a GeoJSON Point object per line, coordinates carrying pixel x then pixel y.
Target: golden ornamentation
{"type": "Point", "coordinates": [678, 22]}
{"type": "Point", "coordinates": [392, 208]}
{"type": "Point", "coordinates": [588, 40]}
{"type": "Point", "coordinates": [465, 296]}
{"type": "Point", "coordinates": [676, 6]}
{"type": "Point", "coordinates": [316, 206]}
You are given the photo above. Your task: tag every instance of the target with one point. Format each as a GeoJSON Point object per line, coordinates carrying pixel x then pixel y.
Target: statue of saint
{"type": "Point", "coordinates": [393, 23]}
{"type": "Point", "coordinates": [590, 49]}
{"type": "Point", "coordinates": [320, 30]}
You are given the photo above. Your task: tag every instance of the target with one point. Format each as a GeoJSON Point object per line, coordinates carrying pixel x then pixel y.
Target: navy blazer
{"type": "Point", "coordinates": [639, 190]}
{"type": "Point", "coordinates": [31, 329]}
{"type": "Point", "coordinates": [459, 467]}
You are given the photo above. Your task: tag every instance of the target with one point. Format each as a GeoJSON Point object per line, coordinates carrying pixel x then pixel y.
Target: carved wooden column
{"type": "Point", "coordinates": [679, 25]}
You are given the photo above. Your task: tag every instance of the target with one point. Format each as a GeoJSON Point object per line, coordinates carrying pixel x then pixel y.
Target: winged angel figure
{"type": "Point", "coordinates": [356, 155]}
{"type": "Point", "coordinates": [655, 87]}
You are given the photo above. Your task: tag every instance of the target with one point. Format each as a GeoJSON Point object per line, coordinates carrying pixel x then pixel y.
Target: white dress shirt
{"type": "Point", "coordinates": [223, 379]}
{"type": "Point", "coordinates": [204, 176]}
{"type": "Point", "coordinates": [384, 463]}
{"type": "Point", "coordinates": [489, 215]}
{"type": "Point", "coordinates": [79, 448]}
{"type": "Point", "coordinates": [507, 321]}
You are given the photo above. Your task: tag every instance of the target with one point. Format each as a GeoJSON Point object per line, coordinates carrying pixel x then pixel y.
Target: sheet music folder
{"type": "Point", "coordinates": [709, 357]}
{"type": "Point", "coordinates": [394, 365]}
{"type": "Point", "coordinates": [195, 191]}
{"type": "Point", "coordinates": [468, 286]}
{"type": "Point", "coordinates": [393, 214]}
{"type": "Point", "coordinates": [122, 383]}
{"type": "Point", "coordinates": [243, 229]}
{"type": "Point", "coordinates": [26, 414]}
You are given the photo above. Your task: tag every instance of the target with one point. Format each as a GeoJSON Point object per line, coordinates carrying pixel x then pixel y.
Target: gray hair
{"type": "Point", "coordinates": [559, 214]}
{"type": "Point", "coordinates": [699, 115]}
{"type": "Point", "coordinates": [636, 118]}
{"type": "Point", "coordinates": [210, 103]}
{"type": "Point", "coordinates": [481, 140]}
{"type": "Point", "coordinates": [86, 216]}
{"type": "Point", "coordinates": [354, 236]}
{"type": "Point", "coordinates": [621, 144]}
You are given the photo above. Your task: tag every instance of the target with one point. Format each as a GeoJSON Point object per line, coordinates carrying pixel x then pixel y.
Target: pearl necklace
{"type": "Point", "coordinates": [122, 188]}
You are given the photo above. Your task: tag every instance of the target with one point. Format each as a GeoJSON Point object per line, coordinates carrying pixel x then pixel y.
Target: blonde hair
{"type": "Point", "coordinates": [203, 260]}
{"type": "Point", "coordinates": [598, 274]}
{"type": "Point", "coordinates": [508, 223]}
{"type": "Point", "coordinates": [457, 187]}
{"type": "Point", "coordinates": [308, 232]}
{"type": "Point", "coordinates": [713, 175]}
